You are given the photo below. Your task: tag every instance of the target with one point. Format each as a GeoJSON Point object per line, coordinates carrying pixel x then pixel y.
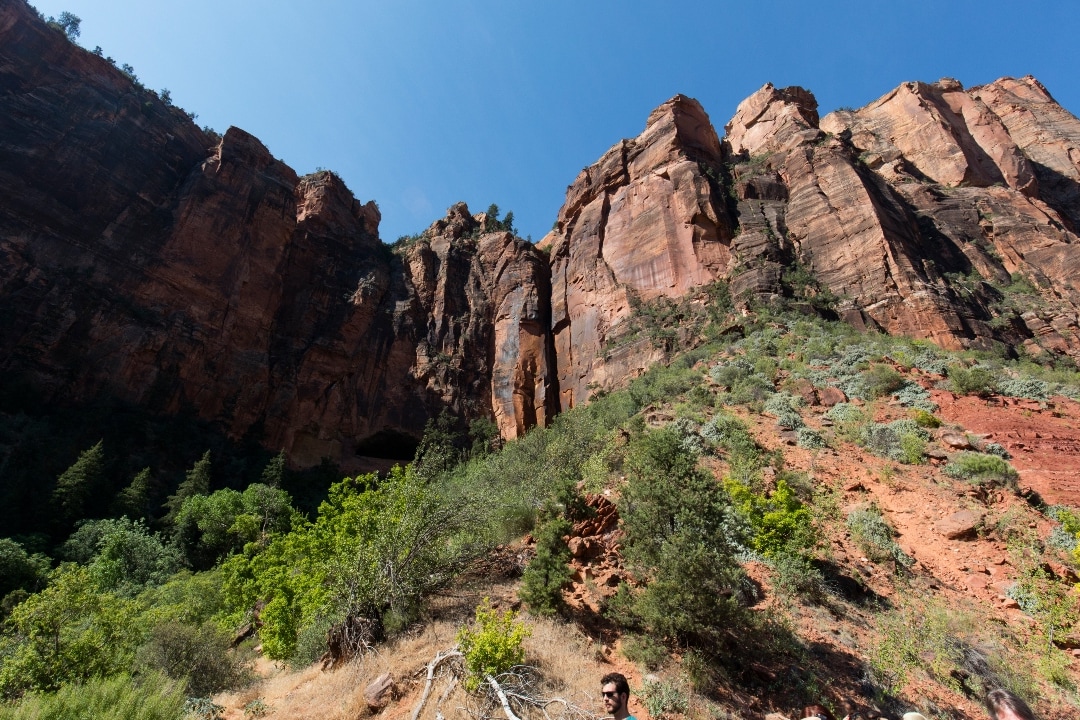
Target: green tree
{"type": "Point", "coordinates": [75, 485]}
{"type": "Point", "coordinates": [123, 555]}
{"type": "Point", "coordinates": [274, 472]}
{"type": "Point", "coordinates": [548, 571]}
{"type": "Point", "coordinates": [375, 550]}
{"type": "Point", "coordinates": [208, 527]}
{"type": "Point", "coordinates": [133, 500]}
{"type": "Point", "coordinates": [68, 632]}
{"type": "Point", "coordinates": [19, 570]}
{"type": "Point", "coordinates": [68, 22]}
{"type": "Point", "coordinates": [682, 535]}
{"type": "Point", "coordinates": [196, 482]}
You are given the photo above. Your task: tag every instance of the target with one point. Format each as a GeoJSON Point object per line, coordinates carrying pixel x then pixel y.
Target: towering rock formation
{"type": "Point", "coordinates": [144, 259]}
{"type": "Point", "coordinates": [644, 221]}
{"type": "Point", "coordinates": [147, 260]}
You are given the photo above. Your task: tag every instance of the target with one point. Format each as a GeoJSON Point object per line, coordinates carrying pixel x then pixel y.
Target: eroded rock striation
{"type": "Point", "coordinates": [645, 221]}
{"type": "Point", "coordinates": [144, 259]}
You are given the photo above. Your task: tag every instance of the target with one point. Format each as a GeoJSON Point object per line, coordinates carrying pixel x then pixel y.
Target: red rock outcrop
{"type": "Point", "coordinates": [642, 222]}
{"type": "Point", "coordinates": [146, 260]}
{"type": "Point", "coordinates": [990, 176]}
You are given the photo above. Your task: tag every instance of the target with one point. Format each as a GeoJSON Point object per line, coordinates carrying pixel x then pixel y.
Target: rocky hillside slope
{"type": "Point", "coordinates": [144, 259]}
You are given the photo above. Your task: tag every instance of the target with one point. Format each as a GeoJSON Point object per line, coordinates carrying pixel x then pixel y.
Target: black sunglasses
{"type": "Point", "coordinates": [613, 693]}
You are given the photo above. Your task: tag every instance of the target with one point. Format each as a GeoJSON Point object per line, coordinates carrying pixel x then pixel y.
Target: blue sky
{"type": "Point", "coordinates": [418, 105]}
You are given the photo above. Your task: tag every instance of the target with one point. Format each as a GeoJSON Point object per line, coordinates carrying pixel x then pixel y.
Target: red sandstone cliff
{"type": "Point", "coordinates": [644, 219]}
{"type": "Point", "coordinates": [143, 259]}
{"type": "Point", "coordinates": [914, 211]}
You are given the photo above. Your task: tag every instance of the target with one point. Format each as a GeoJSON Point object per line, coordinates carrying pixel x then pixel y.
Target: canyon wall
{"type": "Point", "coordinates": [146, 260]}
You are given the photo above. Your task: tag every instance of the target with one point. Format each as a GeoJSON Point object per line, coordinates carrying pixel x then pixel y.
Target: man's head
{"type": "Point", "coordinates": [616, 692]}
{"type": "Point", "coordinates": [1003, 705]}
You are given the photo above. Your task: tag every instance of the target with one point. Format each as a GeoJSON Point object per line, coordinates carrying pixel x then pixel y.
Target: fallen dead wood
{"type": "Point", "coordinates": [431, 667]}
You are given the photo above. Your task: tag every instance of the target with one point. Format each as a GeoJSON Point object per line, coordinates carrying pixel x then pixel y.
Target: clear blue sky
{"type": "Point", "coordinates": [418, 105]}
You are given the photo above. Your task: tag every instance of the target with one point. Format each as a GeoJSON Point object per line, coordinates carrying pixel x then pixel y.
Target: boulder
{"type": "Point", "coordinates": [960, 525]}
{"type": "Point", "coordinates": [380, 692]}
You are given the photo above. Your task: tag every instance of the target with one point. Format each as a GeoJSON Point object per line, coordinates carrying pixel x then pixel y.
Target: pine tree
{"type": "Point", "coordinates": [74, 485]}
{"type": "Point", "coordinates": [274, 472]}
{"type": "Point", "coordinates": [548, 571]}
{"type": "Point", "coordinates": [196, 482]}
{"type": "Point", "coordinates": [132, 500]}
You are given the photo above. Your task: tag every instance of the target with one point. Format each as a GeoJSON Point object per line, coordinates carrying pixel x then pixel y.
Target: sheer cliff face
{"type": "Point", "coordinates": [894, 208]}
{"type": "Point", "coordinates": [145, 260]}
{"type": "Point", "coordinates": [643, 220]}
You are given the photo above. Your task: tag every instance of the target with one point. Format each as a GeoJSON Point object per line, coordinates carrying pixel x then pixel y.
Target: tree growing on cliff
{"type": "Point", "coordinates": [75, 484]}
{"type": "Point", "coordinates": [68, 22]}
{"type": "Point", "coordinates": [196, 482]}
{"type": "Point", "coordinates": [132, 500]}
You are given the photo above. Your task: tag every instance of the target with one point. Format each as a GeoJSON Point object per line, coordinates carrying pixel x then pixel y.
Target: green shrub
{"type": "Point", "coordinates": [913, 395]}
{"type": "Point", "coordinates": [548, 571]}
{"type": "Point", "coordinates": [784, 408]}
{"type": "Point", "coordinates": [901, 440]}
{"type": "Point", "coordinates": [778, 521]}
{"type": "Point", "coordinates": [202, 709]}
{"type": "Point", "coordinates": [682, 535]}
{"type": "Point", "coordinates": [810, 439]}
{"type": "Point", "coordinates": [644, 650]}
{"type": "Point", "coordinates": [938, 641]}
{"type": "Point", "coordinates": [729, 433]}
{"type": "Point", "coordinates": [68, 632]}
{"type": "Point", "coordinates": [845, 413]}
{"type": "Point", "coordinates": [199, 654]}
{"type": "Point", "coordinates": [120, 697]}
{"type": "Point", "coordinates": [879, 381]}
{"type": "Point", "coordinates": [311, 641]}
{"type": "Point", "coordinates": [1024, 387]}
{"type": "Point", "coordinates": [256, 708]}
{"type": "Point", "coordinates": [492, 645]}
{"type": "Point", "coordinates": [874, 536]}
{"type": "Point", "coordinates": [982, 469]}
{"type": "Point", "coordinates": [796, 575]}
{"type": "Point", "coordinates": [700, 673]}
{"type": "Point", "coordinates": [663, 698]}
{"type": "Point", "coordinates": [972, 381]}
{"type": "Point", "coordinates": [925, 419]}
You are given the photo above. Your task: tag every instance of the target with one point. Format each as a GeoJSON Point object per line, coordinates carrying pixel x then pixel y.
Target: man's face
{"type": "Point", "coordinates": [613, 701]}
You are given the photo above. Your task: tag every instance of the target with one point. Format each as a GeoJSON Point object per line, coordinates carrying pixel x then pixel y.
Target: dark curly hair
{"type": "Point", "coordinates": [621, 686]}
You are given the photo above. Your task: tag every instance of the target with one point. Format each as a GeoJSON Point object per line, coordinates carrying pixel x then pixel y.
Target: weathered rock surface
{"type": "Point", "coordinates": [146, 260]}
{"type": "Point", "coordinates": [645, 221]}
{"type": "Point", "coordinates": [143, 259]}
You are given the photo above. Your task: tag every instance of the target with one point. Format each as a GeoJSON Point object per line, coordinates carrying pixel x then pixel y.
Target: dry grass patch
{"type": "Point", "coordinates": [569, 663]}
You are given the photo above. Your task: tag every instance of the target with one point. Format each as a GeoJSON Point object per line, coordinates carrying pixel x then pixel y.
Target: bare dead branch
{"type": "Point", "coordinates": [502, 698]}
{"type": "Point", "coordinates": [435, 662]}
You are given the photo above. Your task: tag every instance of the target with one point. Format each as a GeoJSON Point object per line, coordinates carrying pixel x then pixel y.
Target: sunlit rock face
{"type": "Point", "coordinates": [644, 220]}
{"type": "Point", "coordinates": [145, 260]}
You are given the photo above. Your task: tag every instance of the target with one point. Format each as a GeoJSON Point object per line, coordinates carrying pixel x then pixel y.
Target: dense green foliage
{"type": "Point", "coordinates": [492, 645]}
{"type": "Point", "coordinates": [682, 536]}
{"type": "Point", "coordinates": [70, 631]}
{"type": "Point", "coordinates": [547, 572]}
{"type": "Point", "coordinates": [377, 548]}
{"type": "Point", "coordinates": [120, 697]}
